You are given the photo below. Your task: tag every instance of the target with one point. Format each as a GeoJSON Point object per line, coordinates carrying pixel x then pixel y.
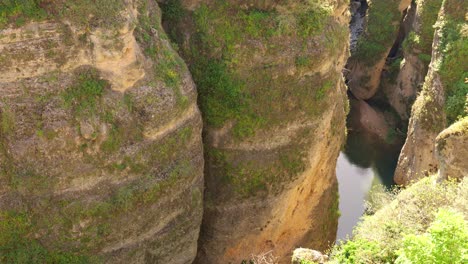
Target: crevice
{"type": "Point", "coordinates": [358, 9]}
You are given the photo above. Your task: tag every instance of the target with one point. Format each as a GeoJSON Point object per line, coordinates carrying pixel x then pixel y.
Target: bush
{"type": "Point", "coordinates": [412, 227]}
{"type": "Point", "coordinates": [359, 251]}
{"type": "Point", "coordinates": [446, 242]}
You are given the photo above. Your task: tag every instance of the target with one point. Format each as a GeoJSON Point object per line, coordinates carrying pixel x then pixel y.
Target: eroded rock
{"type": "Point", "coordinates": [452, 151]}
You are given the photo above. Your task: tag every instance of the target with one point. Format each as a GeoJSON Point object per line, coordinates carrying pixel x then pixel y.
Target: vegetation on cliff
{"type": "Point", "coordinates": [452, 66]}
{"type": "Point", "coordinates": [220, 47]}
{"type": "Point", "coordinates": [86, 13]}
{"type": "Point", "coordinates": [380, 31]}
{"type": "Point", "coordinates": [424, 223]}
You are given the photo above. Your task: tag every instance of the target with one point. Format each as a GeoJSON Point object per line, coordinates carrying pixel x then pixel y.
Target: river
{"type": "Point", "coordinates": [365, 161]}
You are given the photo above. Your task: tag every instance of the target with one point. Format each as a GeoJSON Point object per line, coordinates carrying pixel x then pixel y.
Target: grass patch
{"type": "Point", "coordinates": [18, 246]}
{"type": "Point", "coordinates": [84, 96]}
{"type": "Point", "coordinates": [7, 118]}
{"type": "Point", "coordinates": [85, 13]}
{"type": "Point", "coordinates": [249, 177]}
{"type": "Point", "coordinates": [428, 11]}
{"type": "Point", "coordinates": [18, 12]}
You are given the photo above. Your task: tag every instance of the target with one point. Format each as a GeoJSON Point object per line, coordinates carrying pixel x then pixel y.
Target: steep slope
{"type": "Point", "coordinates": [443, 98]}
{"type": "Point", "coordinates": [274, 105]}
{"type": "Point", "coordinates": [405, 76]}
{"type": "Point", "coordinates": [367, 62]}
{"type": "Point", "coordinates": [100, 139]}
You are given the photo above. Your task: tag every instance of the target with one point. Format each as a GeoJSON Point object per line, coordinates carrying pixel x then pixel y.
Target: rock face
{"type": "Point", "coordinates": [451, 150]}
{"type": "Point", "coordinates": [417, 28]}
{"type": "Point", "coordinates": [443, 97]}
{"type": "Point", "coordinates": [367, 62]}
{"type": "Point", "coordinates": [100, 139]}
{"type": "Point", "coordinates": [372, 120]}
{"type": "Point", "coordinates": [274, 106]}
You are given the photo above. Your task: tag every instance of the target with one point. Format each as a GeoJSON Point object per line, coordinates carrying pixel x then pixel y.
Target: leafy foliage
{"type": "Point", "coordinates": [422, 224]}
{"type": "Point", "coordinates": [446, 242]}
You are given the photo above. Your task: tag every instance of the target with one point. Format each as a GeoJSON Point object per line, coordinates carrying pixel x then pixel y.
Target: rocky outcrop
{"type": "Point", "coordinates": [100, 139]}
{"type": "Point", "coordinates": [372, 120]}
{"type": "Point", "coordinates": [274, 106]}
{"type": "Point", "coordinates": [365, 66]}
{"type": "Point", "coordinates": [416, 48]}
{"type": "Point", "coordinates": [451, 150]}
{"type": "Point", "coordinates": [442, 99]}
{"type": "Point", "coordinates": [301, 255]}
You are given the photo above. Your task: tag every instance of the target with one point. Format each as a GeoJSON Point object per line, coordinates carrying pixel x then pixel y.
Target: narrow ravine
{"type": "Point", "coordinates": [375, 135]}
{"type": "Point", "coordinates": [365, 162]}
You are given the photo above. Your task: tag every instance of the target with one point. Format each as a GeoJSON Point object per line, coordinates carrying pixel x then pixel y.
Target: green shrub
{"type": "Point", "coordinates": [359, 251]}
{"type": "Point", "coordinates": [428, 11]}
{"type": "Point", "coordinates": [412, 222]}
{"type": "Point", "coordinates": [84, 96]}
{"type": "Point", "coordinates": [426, 58]}
{"type": "Point", "coordinates": [446, 242]}
{"type": "Point", "coordinates": [20, 11]}
{"type": "Point", "coordinates": [456, 106]}
{"type": "Point", "coordinates": [172, 10]}
{"type": "Point", "coordinates": [320, 94]}
{"type": "Point", "coordinates": [220, 94]}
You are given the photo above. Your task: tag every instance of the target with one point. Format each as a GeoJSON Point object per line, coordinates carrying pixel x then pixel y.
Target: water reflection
{"type": "Point", "coordinates": [365, 161]}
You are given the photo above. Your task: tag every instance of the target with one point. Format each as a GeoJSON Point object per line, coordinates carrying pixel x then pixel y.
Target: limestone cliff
{"type": "Point", "coordinates": [451, 150]}
{"type": "Point", "coordinates": [100, 139]}
{"type": "Point", "coordinates": [405, 75]}
{"type": "Point", "coordinates": [274, 105]}
{"type": "Point", "coordinates": [443, 97]}
{"type": "Point", "coordinates": [367, 62]}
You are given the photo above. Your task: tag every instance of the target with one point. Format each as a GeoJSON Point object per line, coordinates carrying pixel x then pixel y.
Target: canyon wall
{"type": "Point", "coordinates": [443, 99]}
{"type": "Point", "coordinates": [273, 100]}
{"type": "Point", "coordinates": [368, 60]}
{"type": "Point", "coordinates": [100, 143]}
{"type": "Point", "coordinates": [405, 73]}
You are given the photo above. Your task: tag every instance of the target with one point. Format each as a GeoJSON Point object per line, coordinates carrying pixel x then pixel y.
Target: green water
{"type": "Point", "coordinates": [364, 162]}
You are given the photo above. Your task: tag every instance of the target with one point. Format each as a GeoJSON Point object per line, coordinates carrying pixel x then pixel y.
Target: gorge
{"type": "Point", "coordinates": [222, 131]}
